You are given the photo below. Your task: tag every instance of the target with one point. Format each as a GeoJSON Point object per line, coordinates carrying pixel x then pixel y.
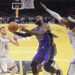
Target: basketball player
{"type": "Point", "coordinates": [5, 60]}
{"type": "Point", "coordinates": [70, 25]}
{"type": "Point", "coordinates": [46, 49]}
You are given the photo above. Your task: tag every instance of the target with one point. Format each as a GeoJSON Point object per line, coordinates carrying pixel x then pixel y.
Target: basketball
{"type": "Point", "coordinates": [13, 26]}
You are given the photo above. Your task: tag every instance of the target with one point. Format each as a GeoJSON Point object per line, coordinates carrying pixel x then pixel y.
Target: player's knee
{"type": "Point", "coordinates": [34, 67]}
{"type": "Point", "coordinates": [48, 67]}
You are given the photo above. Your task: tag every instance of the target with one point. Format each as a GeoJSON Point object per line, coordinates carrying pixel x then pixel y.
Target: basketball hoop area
{"type": "Point", "coordinates": [17, 7]}
{"type": "Point", "coordinates": [24, 4]}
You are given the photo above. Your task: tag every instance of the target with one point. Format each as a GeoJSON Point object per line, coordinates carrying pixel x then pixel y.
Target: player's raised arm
{"type": "Point", "coordinates": [22, 34]}
{"type": "Point", "coordinates": [52, 13]}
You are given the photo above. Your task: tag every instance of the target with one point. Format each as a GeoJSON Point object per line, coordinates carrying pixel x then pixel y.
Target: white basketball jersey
{"type": "Point", "coordinates": [72, 37]}
{"type": "Point", "coordinates": [3, 46]}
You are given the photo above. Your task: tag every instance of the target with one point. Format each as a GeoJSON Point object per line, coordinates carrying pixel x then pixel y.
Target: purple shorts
{"type": "Point", "coordinates": [43, 54]}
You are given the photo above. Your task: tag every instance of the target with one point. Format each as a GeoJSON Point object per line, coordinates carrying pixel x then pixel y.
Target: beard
{"type": "Point", "coordinates": [39, 23]}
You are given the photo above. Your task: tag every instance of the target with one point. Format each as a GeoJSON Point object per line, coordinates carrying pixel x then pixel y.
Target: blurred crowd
{"type": "Point", "coordinates": [26, 19]}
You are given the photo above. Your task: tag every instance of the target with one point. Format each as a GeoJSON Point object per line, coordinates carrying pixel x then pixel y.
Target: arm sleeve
{"type": "Point", "coordinates": [23, 34]}
{"type": "Point", "coordinates": [54, 14]}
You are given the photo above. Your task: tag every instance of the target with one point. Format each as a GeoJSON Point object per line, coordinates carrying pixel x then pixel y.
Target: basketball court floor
{"type": "Point", "coordinates": [28, 47]}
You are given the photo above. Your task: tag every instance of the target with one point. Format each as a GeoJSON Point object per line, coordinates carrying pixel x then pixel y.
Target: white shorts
{"type": "Point", "coordinates": [6, 63]}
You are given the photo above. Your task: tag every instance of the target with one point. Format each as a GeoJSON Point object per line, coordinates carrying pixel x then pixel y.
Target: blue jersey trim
{"type": "Point", "coordinates": [72, 62]}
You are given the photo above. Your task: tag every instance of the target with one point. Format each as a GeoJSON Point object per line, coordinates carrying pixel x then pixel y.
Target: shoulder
{"type": "Point", "coordinates": [46, 26]}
